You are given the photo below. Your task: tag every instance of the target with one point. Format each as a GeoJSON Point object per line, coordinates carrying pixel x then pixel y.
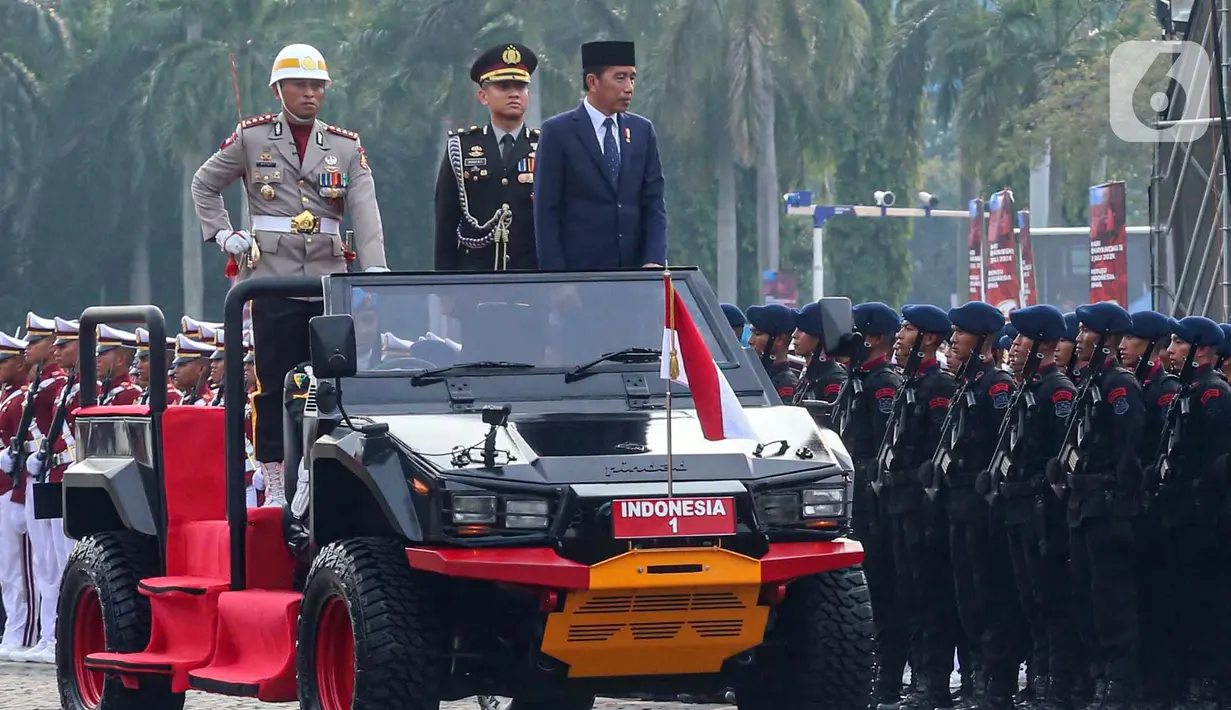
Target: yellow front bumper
{"type": "Point", "coordinates": [660, 612]}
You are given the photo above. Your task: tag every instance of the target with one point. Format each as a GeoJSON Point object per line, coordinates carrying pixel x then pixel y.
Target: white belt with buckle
{"type": "Point", "coordinates": [265, 223]}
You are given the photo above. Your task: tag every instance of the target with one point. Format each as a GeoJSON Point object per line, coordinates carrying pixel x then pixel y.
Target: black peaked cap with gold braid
{"type": "Point", "coordinates": [504, 62]}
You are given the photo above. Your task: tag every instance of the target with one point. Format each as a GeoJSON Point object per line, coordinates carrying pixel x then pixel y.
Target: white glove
{"type": "Point", "coordinates": [457, 347]}
{"type": "Point", "coordinates": [7, 460]}
{"type": "Point", "coordinates": [258, 480]}
{"type": "Point", "coordinates": [34, 465]}
{"type": "Point", "coordinates": [233, 242]}
{"type": "Point", "coordinates": [376, 270]}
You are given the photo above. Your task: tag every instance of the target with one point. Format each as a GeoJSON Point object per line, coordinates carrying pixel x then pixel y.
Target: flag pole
{"type": "Point", "coordinates": [673, 369]}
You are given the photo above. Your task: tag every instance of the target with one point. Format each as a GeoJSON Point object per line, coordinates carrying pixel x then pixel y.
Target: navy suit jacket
{"type": "Point", "coordinates": [581, 219]}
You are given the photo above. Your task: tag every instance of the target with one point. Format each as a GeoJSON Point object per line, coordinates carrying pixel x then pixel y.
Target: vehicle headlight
{"type": "Point", "coordinates": [474, 510]}
{"type": "Point", "coordinates": [780, 508]}
{"type": "Point", "coordinates": [526, 513]}
{"type": "Point", "coordinates": [822, 503]}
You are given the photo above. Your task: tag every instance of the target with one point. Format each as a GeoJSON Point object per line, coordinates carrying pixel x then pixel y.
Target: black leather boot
{"type": "Point", "coordinates": [298, 544]}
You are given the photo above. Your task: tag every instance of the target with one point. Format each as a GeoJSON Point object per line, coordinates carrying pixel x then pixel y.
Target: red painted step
{"type": "Point", "coordinates": [183, 619]}
{"type": "Point", "coordinates": [255, 655]}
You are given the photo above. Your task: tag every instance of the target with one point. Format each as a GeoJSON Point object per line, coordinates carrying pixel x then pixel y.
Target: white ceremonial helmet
{"type": "Point", "coordinates": [299, 61]}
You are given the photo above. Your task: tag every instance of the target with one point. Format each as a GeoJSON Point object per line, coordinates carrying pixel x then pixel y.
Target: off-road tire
{"type": "Point", "coordinates": [110, 565]}
{"type": "Point", "coordinates": [394, 615]}
{"type": "Point", "coordinates": [819, 655]}
{"type": "Point", "coordinates": [492, 702]}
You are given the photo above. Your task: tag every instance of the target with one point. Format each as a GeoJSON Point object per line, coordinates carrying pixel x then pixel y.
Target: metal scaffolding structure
{"type": "Point", "coordinates": [1190, 215]}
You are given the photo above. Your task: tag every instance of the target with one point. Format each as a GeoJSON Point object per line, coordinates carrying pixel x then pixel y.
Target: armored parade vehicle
{"type": "Point", "coordinates": [498, 502]}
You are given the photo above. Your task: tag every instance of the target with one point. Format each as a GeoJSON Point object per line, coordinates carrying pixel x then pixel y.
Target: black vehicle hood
{"type": "Point", "coordinates": [623, 447]}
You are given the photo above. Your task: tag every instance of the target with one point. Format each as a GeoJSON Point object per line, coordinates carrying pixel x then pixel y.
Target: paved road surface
{"type": "Point", "coordinates": [28, 686]}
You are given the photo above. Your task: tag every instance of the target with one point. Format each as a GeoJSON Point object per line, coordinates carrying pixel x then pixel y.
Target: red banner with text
{"type": "Point", "coordinates": [974, 247]}
{"type": "Point", "coordinates": [1108, 257]}
{"type": "Point", "coordinates": [1030, 292]}
{"type": "Point", "coordinates": [1003, 276]}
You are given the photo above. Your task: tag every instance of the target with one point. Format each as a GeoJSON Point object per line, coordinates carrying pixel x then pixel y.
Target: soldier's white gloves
{"type": "Point", "coordinates": [258, 480]}
{"type": "Point", "coordinates": [7, 460]}
{"type": "Point", "coordinates": [376, 270]}
{"type": "Point", "coordinates": [34, 465]}
{"type": "Point", "coordinates": [233, 242]}
{"type": "Point", "coordinates": [457, 347]}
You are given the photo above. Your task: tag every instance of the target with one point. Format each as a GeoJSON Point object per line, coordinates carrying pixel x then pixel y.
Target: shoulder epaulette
{"type": "Point", "coordinates": [342, 132]}
{"type": "Point", "coordinates": [534, 132]}
{"type": "Point", "coordinates": [258, 120]}
{"type": "Point", "coordinates": [464, 131]}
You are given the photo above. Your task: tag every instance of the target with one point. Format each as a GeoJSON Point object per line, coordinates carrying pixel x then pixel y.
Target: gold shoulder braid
{"type": "Point", "coordinates": [495, 230]}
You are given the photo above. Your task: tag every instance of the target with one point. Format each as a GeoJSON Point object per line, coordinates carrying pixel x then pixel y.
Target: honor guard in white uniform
{"type": "Point", "coordinates": [190, 370]}
{"type": "Point", "coordinates": [16, 556]}
{"type": "Point", "coordinates": [301, 175]}
{"type": "Point", "coordinates": [42, 397]}
{"type": "Point", "coordinates": [217, 369]}
{"type": "Point", "coordinates": [144, 377]}
{"type": "Point", "coordinates": [116, 352]}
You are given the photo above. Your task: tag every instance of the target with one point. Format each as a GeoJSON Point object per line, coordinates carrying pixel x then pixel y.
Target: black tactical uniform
{"type": "Point", "coordinates": [1192, 498]}
{"type": "Point", "coordinates": [775, 320]}
{"type": "Point", "coordinates": [920, 548]}
{"type": "Point", "coordinates": [485, 189]}
{"type": "Point", "coordinates": [983, 577]}
{"type": "Point", "coordinates": [1159, 678]}
{"type": "Point", "coordinates": [822, 378]}
{"type": "Point", "coordinates": [1102, 472]}
{"type": "Point", "coordinates": [1034, 516]}
{"type": "Point", "coordinates": [862, 421]}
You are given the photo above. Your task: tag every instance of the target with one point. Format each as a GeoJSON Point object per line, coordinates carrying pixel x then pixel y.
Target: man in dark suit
{"type": "Point", "coordinates": [484, 208]}
{"type": "Point", "coordinates": [598, 200]}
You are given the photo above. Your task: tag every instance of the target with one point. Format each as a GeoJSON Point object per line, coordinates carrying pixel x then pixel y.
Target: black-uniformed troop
{"type": "Point", "coordinates": [1050, 492]}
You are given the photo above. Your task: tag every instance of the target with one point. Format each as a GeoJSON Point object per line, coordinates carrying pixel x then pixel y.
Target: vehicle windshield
{"type": "Point", "coordinates": [547, 324]}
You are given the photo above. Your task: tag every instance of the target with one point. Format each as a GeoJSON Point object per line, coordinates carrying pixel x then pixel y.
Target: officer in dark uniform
{"type": "Point", "coordinates": [1100, 466]}
{"type": "Point", "coordinates": [1066, 358]}
{"type": "Point", "coordinates": [772, 326]}
{"type": "Point", "coordinates": [1141, 351]}
{"type": "Point", "coordinates": [822, 377]}
{"type": "Point", "coordinates": [919, 539]}
{"type": "Point", "coordinates": [1224, 351]}
{"type": "Point", "coordinates": [1191, 474]}
{"type": "Point", "coordinates": [983, 577]}
{"type": "Point", "coordinates": [862, 416]}
{"type": "Point", "coordinates": [735, 319]}
{"type": "Point", "coordinates": [484, 192]}
{"type": "Point", "coordinates": [1033, 516]}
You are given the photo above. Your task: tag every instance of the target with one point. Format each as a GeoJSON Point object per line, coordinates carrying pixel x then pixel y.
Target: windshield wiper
{"type": "Point", "coordinates": [428, 377]}
{"type": "Point", "coordinates": [626, 355]}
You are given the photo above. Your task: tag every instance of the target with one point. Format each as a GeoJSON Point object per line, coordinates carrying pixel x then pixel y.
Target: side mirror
{"type": "Point", "coordinates": [332, 343]}
{"type": "Point", "coordinates": [837, 321]}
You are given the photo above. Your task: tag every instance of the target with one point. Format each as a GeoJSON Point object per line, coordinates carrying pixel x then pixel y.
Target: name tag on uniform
{"type": "Point", "coordinates": [266, 164]}
{"type": "Point", "coordinates": [475, 161]}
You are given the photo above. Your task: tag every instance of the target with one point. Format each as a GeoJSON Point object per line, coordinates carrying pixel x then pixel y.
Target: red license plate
{"type": "Point", "coordinates": [672, 517]}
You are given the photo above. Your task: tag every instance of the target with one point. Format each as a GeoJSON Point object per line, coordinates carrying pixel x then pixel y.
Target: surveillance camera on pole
{"type": "Point", "coordinates": [883, 198]}
{"type": "Point", "coordinates": [928, 201]}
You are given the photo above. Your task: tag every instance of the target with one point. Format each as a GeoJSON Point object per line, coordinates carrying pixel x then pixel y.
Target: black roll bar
{"type": "Point", "coordinates": [233, 381]}
{"type": "Point", "coordinates": [87, 359]}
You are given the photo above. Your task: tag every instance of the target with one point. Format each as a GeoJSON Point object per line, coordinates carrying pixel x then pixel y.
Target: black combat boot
{"type": "Point", "coordinates": [886, 690]}
{"type": "Point", "coordinates": [299, 544]}
{"type": "Point", "coordinates": [1057, 694]}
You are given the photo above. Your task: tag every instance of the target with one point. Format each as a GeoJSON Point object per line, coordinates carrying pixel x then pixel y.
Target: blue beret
{"type": "Point", "coordinates": [1004, 343]}
{"type": "Point", "coordinates": [928, 319]}
{"type": "Point", "coordinates": [362, 299]}
{"type": "Point", "coordinates": [1224, 350]}
{"type": "Point", "coordinates": [1197, 330]}
{"type": "Point", "coordinates": [1150, 325]}
{"type": "Point", "coordinates": [875, 318]}
{"type": "Point", "coordinates": [774, 319]}
{"type": "Point", "coordinates": [1070, 327]}
{"type": "Point", "coordinates": [1042, 323]}
{"type": "Point", "coordinates": [1106, 318]}
{"type": "Point", "coordinates": [1009, 330]}
{"type": "Point", "coordinates": [977, 318]}
{"type": "Point", "coordinates": [735, 317]}
{"type": "Point", "coordinates": [808, 319]}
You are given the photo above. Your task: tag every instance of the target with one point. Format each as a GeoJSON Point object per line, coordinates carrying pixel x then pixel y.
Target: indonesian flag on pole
{"type": "Point", "coordinates": [687, 361]}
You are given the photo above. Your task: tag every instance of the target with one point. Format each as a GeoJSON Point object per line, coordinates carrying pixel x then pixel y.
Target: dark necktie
{"type": "Point", "coordinates": [506, 144]}
{"type": "Point", "coordinates": [611, 150]}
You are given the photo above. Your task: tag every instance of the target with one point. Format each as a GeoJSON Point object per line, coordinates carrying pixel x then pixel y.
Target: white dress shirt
{"type": "Point", "coordinates": [600, 131]}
